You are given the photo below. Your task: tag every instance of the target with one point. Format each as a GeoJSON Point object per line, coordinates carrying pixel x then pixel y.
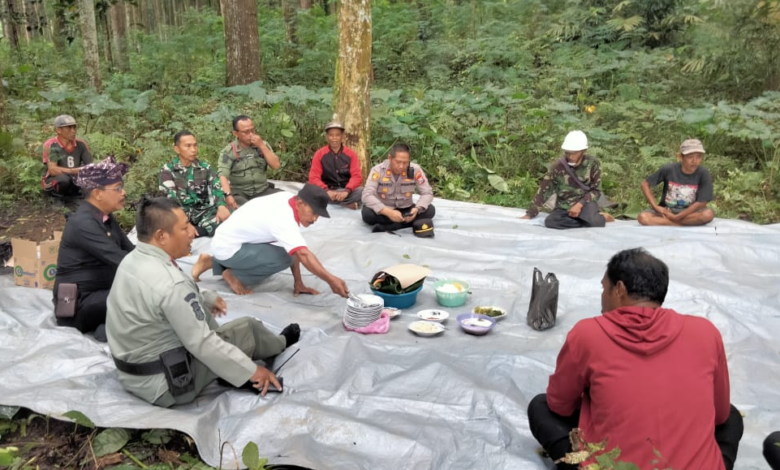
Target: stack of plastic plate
{"type": "Point", "coordinates": [362, 310]}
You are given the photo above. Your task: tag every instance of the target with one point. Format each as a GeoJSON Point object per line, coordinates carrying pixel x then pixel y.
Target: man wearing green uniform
{"type": "Point", "coordinates": [193, 184]}
{"type": "Point", "coordinates": [163, 338]}
{"type": "Point", "coordinates": [575, 180]}
{"type": "Point", "coordinates": [244, 163]}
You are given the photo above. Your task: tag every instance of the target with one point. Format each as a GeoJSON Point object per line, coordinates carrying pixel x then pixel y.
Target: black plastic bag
{"type": "Point", "coordinates": [543, 308]}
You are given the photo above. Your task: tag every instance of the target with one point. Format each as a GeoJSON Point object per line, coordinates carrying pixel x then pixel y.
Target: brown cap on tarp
{"type": "Point", "coordinates": [423, 228]}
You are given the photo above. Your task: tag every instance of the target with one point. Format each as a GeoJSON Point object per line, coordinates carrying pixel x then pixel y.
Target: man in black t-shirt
{"type": "Point", "coordinates": [687, 190]}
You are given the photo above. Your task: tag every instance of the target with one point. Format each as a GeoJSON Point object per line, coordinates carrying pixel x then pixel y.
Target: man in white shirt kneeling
{"type": "Point", "coordinates": [263, 237]}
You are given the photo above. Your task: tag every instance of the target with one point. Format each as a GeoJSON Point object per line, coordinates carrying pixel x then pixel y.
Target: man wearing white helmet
{"type": "Point", "coordinates": [575, 179]}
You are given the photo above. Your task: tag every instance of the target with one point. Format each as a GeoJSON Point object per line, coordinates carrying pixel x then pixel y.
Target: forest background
{"type": "Point", "coordinates": [483, 91]}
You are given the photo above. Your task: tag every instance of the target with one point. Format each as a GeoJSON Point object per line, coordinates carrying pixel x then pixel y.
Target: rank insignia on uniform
{"type": "Point", "coordinates": [374, 176]}
{"type": "Point", "coordinates": [385, 179]}
{"type": "Point", "coordinates": [197, 310]}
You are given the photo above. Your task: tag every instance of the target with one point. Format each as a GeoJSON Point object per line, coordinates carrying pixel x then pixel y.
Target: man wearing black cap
{"type": "Point", "coordinates": [63, 156]}
{"type": "Point", "coordinates": [263, 237]}
{"type": "Point", "coordinates": [92, 246]}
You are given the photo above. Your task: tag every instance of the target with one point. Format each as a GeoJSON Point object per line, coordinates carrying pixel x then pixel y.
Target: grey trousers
{"type": "Point", "coordinates": [249, 335]}
{"type": "Point", "coordinates": [589, 217]}
{"type": "Point", "coordinates": [253, 262]}
{"type": "Point", "coordinates": [354, 196]}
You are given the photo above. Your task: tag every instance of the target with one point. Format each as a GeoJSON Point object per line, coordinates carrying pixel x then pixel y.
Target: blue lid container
{"type": "Point", "coordinates": [399, 300]}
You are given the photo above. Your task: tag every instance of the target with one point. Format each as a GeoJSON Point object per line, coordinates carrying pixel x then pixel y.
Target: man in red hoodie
{"type": "Point", "coordinates": [644, 377]}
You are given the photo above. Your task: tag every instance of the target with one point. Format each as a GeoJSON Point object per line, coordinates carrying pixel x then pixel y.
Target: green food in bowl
{"type": "Point", "coordinates": [489, 311]}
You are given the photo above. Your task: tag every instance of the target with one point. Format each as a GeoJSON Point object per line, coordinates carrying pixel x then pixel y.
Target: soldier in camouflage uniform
{"type": "Point", "coordinates": [244, 163]}
{"type": "Point", "coordinates": [576, 201]}
{"type": "Point", "coordinates": [193, 184]}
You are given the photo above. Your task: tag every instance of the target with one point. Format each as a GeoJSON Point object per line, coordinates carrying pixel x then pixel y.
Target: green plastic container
{"type": "Point", "coordinates": [447, 299]}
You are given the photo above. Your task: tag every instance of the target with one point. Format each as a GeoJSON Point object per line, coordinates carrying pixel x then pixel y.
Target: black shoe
{"type": "Point", "coordinates": [377, 228]}
{"type": "Point", "coordinates": [100, 333]}
{"type": "Point", "coordinates": [292, 333]}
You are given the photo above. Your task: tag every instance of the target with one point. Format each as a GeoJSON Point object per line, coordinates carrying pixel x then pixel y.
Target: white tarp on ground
{"type": "Point", "coordinates": [400, 401]}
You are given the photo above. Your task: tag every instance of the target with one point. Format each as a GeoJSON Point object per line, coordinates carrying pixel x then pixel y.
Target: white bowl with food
{"type": "Point", "coordinates": [426, 328]}
{"type": "Point", "coordinates": [496, 313]}
{"type": "Point", "coordinates": [433, 314]}
{"type": "Point", "coordinates": [392, 312]}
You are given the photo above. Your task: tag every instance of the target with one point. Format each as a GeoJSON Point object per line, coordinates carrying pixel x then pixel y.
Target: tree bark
{"type": "Point", "coordinates": [118, 33]}
{"type": "Point", "coordinates": [89, 39]}
{"type": "Point", "coordinates": [352, 87]}
{"type": "Point", "coordinates": [11, 24]}
{"type": "Point", "coordinates": [289, 8]}
{"type": "Point", "coordinates": [305, 4]}
{"type": "Point", "coordinates": [242, 42]}
{"type": "Point", "coordinates": [59, 26]}
{"type": "Point", "coordinates": [2, 100]}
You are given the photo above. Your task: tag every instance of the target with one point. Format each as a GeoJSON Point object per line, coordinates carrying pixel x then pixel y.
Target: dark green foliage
{"type": "Point", "coordinates": [483, 91]}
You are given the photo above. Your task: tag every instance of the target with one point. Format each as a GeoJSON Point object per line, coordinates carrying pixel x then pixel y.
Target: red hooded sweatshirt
{"type": "Point", "coordinates": [646, 379]}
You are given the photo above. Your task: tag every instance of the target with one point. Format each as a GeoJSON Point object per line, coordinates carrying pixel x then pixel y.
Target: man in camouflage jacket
{"type": "Point", "coordinates": [194, 185]}
{"type": "Point", "coordinates": [576, 203]}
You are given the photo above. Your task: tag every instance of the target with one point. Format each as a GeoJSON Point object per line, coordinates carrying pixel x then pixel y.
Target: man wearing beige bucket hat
{"type": "Point", "coordinates": [687, 190]}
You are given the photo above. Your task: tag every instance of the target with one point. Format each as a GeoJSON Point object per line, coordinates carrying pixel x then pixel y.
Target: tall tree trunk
{"type": "Point", "coordinates": [159, 19]}
{"type": "Point", "coordinates": [242, 42]}
{"type": "Point", "coordinates": [118, 33]}
{"type": "Point", "coordinates": [352, 87]}
{"type": "Point", "coordinates": [305, 4]}
{"type": "Point", "coordinates": [59, 26]}
{"type": "Point", "coordinates": [2, 100]}
{"type": "Point", "coordinates": [89, 39]}
{"type": "Point", "coordinates": [107, 42]}
{"type": "Point", "coordinates": [289, 8]}
{"type": "Point", "coordinates": [24, 20]}
{"type": "Point", "coordinates": [11, 25]}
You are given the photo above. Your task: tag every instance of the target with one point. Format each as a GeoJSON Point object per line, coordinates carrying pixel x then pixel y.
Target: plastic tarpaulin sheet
{"type": "Point", "coordinates": [397, 400]}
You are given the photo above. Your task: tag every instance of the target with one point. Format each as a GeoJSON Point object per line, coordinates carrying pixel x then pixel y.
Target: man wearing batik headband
{"type": "Point", "coordinates": [92, 246]}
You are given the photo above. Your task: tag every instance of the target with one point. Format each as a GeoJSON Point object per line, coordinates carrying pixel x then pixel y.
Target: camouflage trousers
{"type": "Point", "coordinates": [204, 219]}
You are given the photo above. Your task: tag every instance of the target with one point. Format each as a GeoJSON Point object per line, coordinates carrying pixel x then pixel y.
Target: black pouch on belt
{"type": "Point", "coordinates": [67, 296]}
{"type": "Point", "coordinates": [178, 373]}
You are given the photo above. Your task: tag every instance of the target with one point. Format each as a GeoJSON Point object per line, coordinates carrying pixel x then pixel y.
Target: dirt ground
{"type": "Point", "coordinates": [47, 443]}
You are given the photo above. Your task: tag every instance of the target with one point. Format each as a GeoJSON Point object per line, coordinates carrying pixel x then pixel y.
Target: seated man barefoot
{"type": "Point", "coordinates": [194, 185]}
{"type": "Point", "coordinates": [387, 198]}
{"type": "Point", "coordinates": [687, 190]}
{"type": "Point", "coordinates": [64, 155]}
{"type": "Point", "coordinates": [576, 181]}
{"type": "Point", "coordinates": [263, 237]}
{"type": "Point", "coordinates": [161, 331]}
{"type": "Point", "coordinates": [644, 377]}
{"type": "Point", "coordinates": [91, 249]}
{"type": "Point", "coordinates": [336, 169]}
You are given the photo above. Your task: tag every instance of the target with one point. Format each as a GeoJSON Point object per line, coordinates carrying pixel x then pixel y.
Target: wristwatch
{"type": "Point", "coordinates": [228, 194]}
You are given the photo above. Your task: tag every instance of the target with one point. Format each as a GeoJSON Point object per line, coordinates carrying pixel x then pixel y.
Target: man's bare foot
{"type": "Point", "coordinates": [607, 216]}
{"type": "Point", "coordinates": [237, 286]}
{"type": "Point", "coordinates": [352, 205]}
{"type": "Point", "coordinates": [201, 266]}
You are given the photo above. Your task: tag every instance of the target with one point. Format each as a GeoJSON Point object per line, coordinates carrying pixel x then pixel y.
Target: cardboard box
{"type": "Point", "coordinates": [35, 265]}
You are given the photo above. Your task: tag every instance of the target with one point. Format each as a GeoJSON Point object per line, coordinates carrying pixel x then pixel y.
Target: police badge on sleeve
{"type": "Point", "coordinates": [192, 299]}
